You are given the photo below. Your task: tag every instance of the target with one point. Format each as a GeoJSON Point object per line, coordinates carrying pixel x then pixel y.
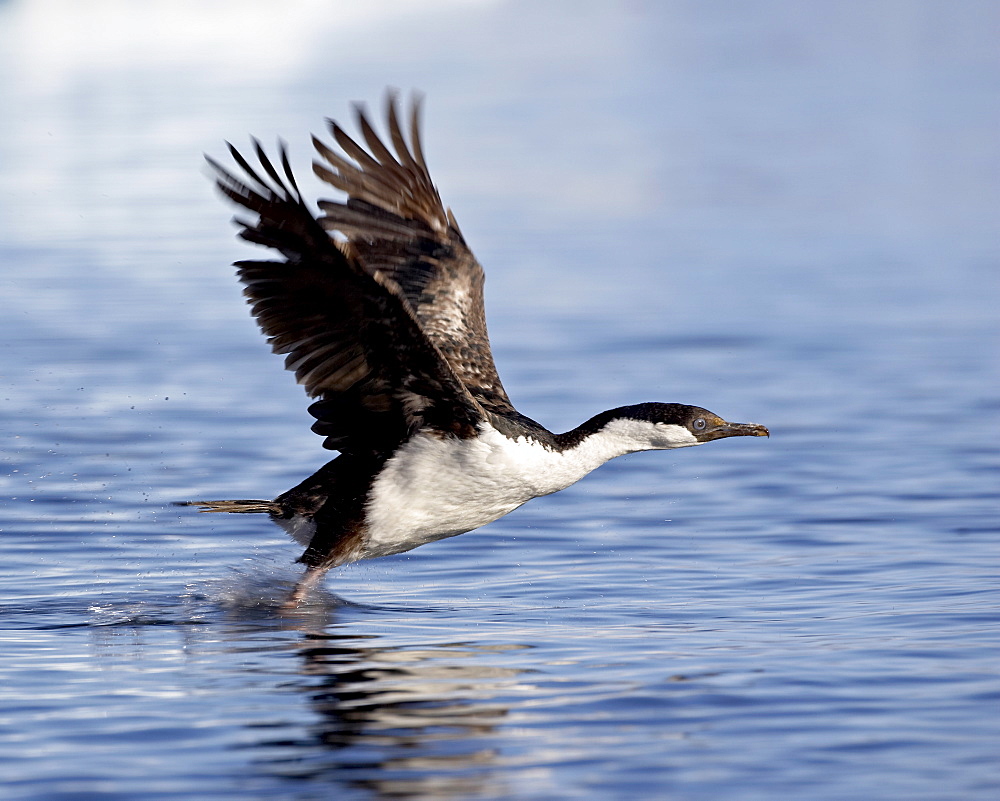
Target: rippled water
{"type": "Point", "coordinates": [785, 213]}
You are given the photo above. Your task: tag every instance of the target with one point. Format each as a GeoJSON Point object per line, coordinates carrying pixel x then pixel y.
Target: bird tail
{"type": "Point", "coordinates": [241, 507]}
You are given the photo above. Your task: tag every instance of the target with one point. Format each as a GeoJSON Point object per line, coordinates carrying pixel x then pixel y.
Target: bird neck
{"type": "Point", "coordinates": [615, 433]}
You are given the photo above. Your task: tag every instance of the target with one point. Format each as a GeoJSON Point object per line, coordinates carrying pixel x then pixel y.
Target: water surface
{"type": "Point", "coordinates": [785, 213]}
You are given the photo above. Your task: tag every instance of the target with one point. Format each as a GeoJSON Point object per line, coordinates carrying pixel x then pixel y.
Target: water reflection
{"type": "Point", "coordinates": [403, 721]}
{"type": "Point", "coordinates": [390, 714]}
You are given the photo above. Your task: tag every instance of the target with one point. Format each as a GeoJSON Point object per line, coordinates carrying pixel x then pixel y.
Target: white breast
{"type": "Point", "coordinates": [436, 487]}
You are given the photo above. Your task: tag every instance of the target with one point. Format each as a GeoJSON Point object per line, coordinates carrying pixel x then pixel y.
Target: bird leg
{"type": "Point", "coordinates": [304, 585]}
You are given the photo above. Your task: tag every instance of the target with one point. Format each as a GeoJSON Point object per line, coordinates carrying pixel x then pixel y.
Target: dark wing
{"type": "Point", "coordinates": [397, 228]}
{"type": "Point", "coordinates": [349, 336]}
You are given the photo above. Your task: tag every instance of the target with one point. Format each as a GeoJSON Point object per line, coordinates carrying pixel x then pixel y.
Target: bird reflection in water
{"type": "Point", "coordinates": [386, 713]}
{"type": "Point", "coordinates": [403, 722]}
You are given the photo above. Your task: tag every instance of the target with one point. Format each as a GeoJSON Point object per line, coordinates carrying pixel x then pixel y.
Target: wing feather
{"type": "Point", "coordinates": [401, 233]}
{"type": "Point", "coordinates": [349, 336]}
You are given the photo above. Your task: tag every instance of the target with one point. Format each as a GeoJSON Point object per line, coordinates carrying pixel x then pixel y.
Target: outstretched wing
{"type": "Point", "coordinates": [397, 228]}
{"type": "Point", "coordinates": [350, 336]}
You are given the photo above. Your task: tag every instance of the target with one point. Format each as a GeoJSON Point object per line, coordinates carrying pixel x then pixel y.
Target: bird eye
{"type": "Point", "coordinates": [699, 424]}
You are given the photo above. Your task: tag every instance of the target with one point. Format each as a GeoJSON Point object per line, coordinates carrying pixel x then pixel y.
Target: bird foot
{"type": "Point", "coordinates": [302, 588]}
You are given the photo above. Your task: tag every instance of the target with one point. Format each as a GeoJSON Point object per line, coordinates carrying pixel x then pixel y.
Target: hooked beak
{"type": "Point", "coordinates": [724, 429]}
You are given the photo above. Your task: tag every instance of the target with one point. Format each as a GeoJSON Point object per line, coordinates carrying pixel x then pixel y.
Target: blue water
{"type": "Point", "coordinates": [785, 212]}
